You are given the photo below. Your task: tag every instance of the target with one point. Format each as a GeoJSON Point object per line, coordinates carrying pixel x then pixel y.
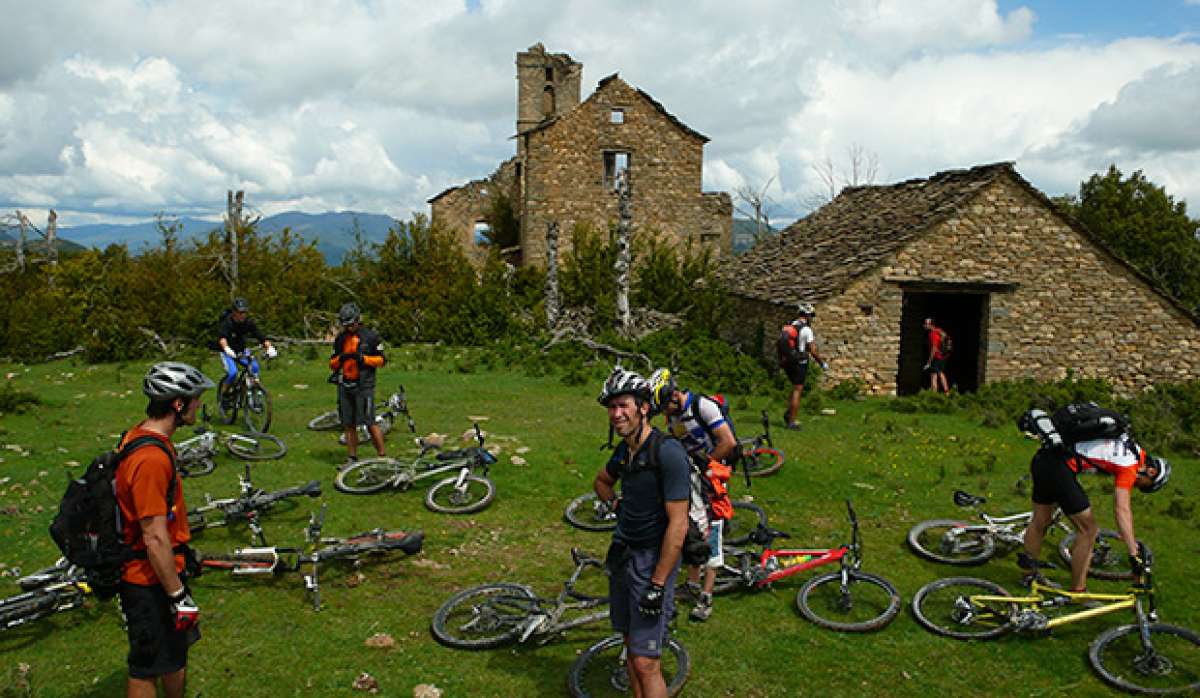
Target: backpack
{"type": "Point", "coordinates": [695, 544]}
{"type": "Point", "coordinates": [788, 347]}
{"type": "Point", "coordinates": [1084, 421]}
{"type": "Point", "coordinates": [87, 527]}
{"type": "Point", "coordinates": [947, 343]}
{"type": "Point", "coordinates": [734, 458]}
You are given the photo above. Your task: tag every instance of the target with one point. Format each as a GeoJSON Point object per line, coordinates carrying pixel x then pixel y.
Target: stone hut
{"type": "Point", "coordinates": [1023, 290]}
{"type": "Point", "coordinates": [570, 153]}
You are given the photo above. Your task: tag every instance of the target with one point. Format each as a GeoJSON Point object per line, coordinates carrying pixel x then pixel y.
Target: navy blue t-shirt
{"type": "Point", "coordinates": [642, 517]}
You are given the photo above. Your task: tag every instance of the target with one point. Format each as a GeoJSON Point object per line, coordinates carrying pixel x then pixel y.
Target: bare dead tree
{"type": "Point", "coordinates": [233, 224]}
{"type": "Point", "coordinates": [19, 248]}
{"type": "Point", "coordinates": [624, 256]}
{"type": "Point", "coordinates": [862, 167]}
{"type": "Point", "coordinates": [755, 205]}
{"type": "Point", "coordinates": [552, 301]}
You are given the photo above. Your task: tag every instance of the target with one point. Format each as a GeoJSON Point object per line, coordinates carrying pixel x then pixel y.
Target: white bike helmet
{"type": "Point", "coordinates": [622, 382]}
{"type": "Point", "coordinates": [171, 379]}
{"type": "Point", "coordinates": [1162, 473]}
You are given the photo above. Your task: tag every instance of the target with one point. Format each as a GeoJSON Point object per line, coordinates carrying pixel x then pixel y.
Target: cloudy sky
{"type": "Point", "coordinates": [115, 110]}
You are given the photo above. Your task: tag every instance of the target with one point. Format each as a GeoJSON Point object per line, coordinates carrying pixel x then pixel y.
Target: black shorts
{"type": "Point", "coordinates": [937, 365]}
{"type": "Point", "coordinates": [796, 373]}
{"type": "Point", "coordinates": [1055, 483]}
{"type": "Point", "coordinates": [155, 647]}
{"type": "Point", "coordinates": [356, 406]}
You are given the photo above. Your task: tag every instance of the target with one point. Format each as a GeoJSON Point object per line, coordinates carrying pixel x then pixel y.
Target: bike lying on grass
{"type": "Point", "coordinates": [848, 600]}
{"type": "Point", "coordinates": [397, 404]}
{"type": "Point", "coordinates": [1143, 657]}
{"type": "Point", "coordinates": [246, 394]}
{"type": "Point", "coordinates": [759, 456]}
{"type": "Point", "coordinates": [250, 503]}
{"type": "Point", "coordinates": [195, 456]}
{"type": "Point", "coordinates": [590, 513]}
{"type": "Point", "coordinates": [60, 587]}
{"type": "Point", "coordinates": [277, 560]}
{"type": "Point", "coordinates": [469, 491]}
{"type": "Point", "coordinates": [957, 542]}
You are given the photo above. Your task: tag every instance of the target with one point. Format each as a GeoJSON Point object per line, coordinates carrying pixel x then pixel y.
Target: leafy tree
{"type": "Point", "coordinates": [1145, 225]}
{"type": "Point", "coordinates": [504, 229]}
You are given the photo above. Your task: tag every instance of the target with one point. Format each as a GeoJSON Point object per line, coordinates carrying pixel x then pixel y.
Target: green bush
{"type": "Point", "coordinates": [13, 399]}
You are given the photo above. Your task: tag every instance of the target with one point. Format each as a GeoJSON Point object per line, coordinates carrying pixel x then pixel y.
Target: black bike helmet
{"type": "Point", "coordinates": [240, 305]}
{"type": "Point", "coordinates": [349, 314]}
{"type": "Point", "coordinates": [1162, 473]}
{"type": "Point", "coordinates": [622, 382]}
{"type": "Point", "coordinates": [171, 379]}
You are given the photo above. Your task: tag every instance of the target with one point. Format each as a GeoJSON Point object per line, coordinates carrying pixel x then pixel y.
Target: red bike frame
{"type": "Point", "coordinates": [790, 562]}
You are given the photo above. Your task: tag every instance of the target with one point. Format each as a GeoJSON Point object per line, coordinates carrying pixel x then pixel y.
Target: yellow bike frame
{"type": "Point", "coordinates": [1041, 593]}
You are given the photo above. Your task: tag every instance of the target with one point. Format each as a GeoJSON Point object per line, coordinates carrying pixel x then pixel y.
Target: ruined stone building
{"type": "Point", "coordinates": [568, 157]}
{"type": "Point", "coordinates": [1023, 290]}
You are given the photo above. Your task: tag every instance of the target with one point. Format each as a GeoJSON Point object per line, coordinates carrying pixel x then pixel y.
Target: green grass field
{"type": "Point", "coordinates": [262, 637]}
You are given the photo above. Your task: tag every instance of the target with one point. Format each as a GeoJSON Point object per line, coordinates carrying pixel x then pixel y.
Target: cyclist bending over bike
{"type": "Point", "coordinates": [1055, 468]}
{"type": "Point", "coordinates": [357, 352]}
{"type": "Point", "coordinates": [233, 329]}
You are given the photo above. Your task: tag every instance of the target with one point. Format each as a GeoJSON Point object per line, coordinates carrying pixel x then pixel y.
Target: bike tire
{"type": "Point", "coordinates": [227, 413]}
{"type": "Point", "coordinates": [256, 410]}
{"type": "Point", "coordinates": [746, 517]}
{"type": "Point", "coordinates": [367, 476]}
{"type": "Point", "coordinates": [816, 602]}
{"type": "Point", "coordinates": [372, 544]}
{"type": "Point", "coordinates": [256, 446]}
{"type": "Point", "coordinates": [763, 461]}
{"type": "Point", "coordinates": [36, 604]}
{"type": "Point", "coordinates": [326, 421]}
{"type": "Point", "coordinates": [600, 670]}
{"type": "Point", "coordinates": [496, 611]}
{"type": "Point", "coordinates": [581, 513]}
{"type": "Point", "coordinates": [444, 498]}
{"type": "Point", "coordinates": [1107, 562]}
{"type": "Point", "coordinates": [928, 539]}
{"type": "Point", "coordinates": [929, 608]}
{"type": "Point", "coordinates": [1117, 653]}
{"type": "Point", "coordinates": [197, 467]}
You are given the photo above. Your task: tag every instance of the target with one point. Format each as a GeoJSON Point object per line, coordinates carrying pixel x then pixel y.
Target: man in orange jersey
{"type": "Point", "coordinates": [161, 618]}
{"type": "Point", "coordinates": [357, 352]}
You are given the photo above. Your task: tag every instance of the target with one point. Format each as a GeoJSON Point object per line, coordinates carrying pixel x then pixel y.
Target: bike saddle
{"type": "Point", "coordinates": [963, 499]}
{"type": "Point", "coordinates": [582, 558]}
{"type": "Point", "coordinates": [763, 535]}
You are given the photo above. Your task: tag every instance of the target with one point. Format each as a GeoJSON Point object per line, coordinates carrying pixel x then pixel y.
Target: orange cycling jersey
{"type": "Point", "coordinates": [141, 484]}
{"type": "Point", "coordinates": [1112, 456]}
{"type": "Point", "coordinates": [349, 366]}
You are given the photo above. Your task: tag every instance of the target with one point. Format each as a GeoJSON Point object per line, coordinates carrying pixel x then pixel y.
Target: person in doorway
{"type": "Point", "coordinates": [935, 365]}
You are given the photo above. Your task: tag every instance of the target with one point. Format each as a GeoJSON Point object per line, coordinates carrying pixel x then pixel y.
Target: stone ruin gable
{"type": "Point", "coordinates": [1075, 306]}
{"type": "Point", "coordinates": [564, 172]}
{"type": "Point", "coordinates": [459, 208]}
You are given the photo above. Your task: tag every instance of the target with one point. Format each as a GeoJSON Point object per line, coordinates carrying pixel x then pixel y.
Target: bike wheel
{"type": "Point", "coordinates": [1109, 556]}
{"type": "Point", "coordinates": [255, 446]}
{"type": "Point", "coordinates": [600, 670]}
{"type": "Point", "coordinates": [367, 476]}
{"type": "Point", "coordinates": [256, 410]}
{"type": "Point", "coordinates": [196, 467]}
{"type": "Point", "coordinates": [1118, 655]}
{"type": "Point", "coordinates": [581, 513]}
{"type": "Point", "coordinates": [228, 399]}
{"type": "Point", "coordinates": [870, 602]}
{"type": "Point", "coordinates": [951, 542]}
{"type": "Point", "coordinates": [482, 617]}
{"type": "Point", "coordinates": [941, 606]}
{"type": "Point", "coordinates": [746, 517]}
{"type": "Point", "coordinates": [763, 461]}
{"type": "Point", "coordinates": [447, 498]}
{"type": "Point", "coordinates": [326, 421]}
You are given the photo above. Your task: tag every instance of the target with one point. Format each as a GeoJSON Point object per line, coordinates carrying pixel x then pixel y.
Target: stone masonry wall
{"type": "Point", "coordinates": [460, 209]}
{"type": "Point", "coordinates": [564, 174]}
{"type": "Point", "coordinates": [1074, 307]}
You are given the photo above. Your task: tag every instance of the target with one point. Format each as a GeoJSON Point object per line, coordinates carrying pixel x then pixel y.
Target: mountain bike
{"type": "Point", "coordinates": [468, 491]}
{"type": "Point", "coordinates": [250, 503]}
{"type": "Point", "coordinates": [759, 456]}
{"type": "Point", "coordinates": [195, 456]}
{"type": "Point", "coordinates": [848, 600]}
{"type": "Point", "coordinates": [317, 549]}
{"type": "Point", "coordinates": [1143, 657]}
{"type": "Point", "coordinates": [602, 669]}
{"type": "Point", "coordinates": [956, 542]}
{"type": "Point", "coordinates": [246, 395]}
{"type": "Point", "coordinates": [58, 588]}
{"type": "Point", "coordinates": [503, 613]}
{"type": "Point", "coordinates": [589, 513]}
{"type": "Point", "coordinates": [397, 404]}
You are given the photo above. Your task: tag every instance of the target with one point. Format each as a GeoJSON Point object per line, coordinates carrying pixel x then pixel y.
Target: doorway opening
{"type": "Point", "coordinates": [963, 316]}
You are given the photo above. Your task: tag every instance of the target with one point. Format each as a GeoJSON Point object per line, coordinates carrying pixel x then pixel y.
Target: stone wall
{"type": "Point", "coordinates": [564, 176]}
{"type": "Point", "coordinates": [459, 209]}
{"type": "Point", "coordinates": [1072, 307]}
{"type": "Point", "coordinates": [564, 83]}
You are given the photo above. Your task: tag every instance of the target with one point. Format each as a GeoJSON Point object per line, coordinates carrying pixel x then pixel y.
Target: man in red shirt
{"type": "Point", "coordinates": [160, 615]}
{"type": "Point", "coordinates": [936, 365]}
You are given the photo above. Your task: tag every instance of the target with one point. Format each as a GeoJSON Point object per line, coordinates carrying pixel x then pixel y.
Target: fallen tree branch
{"type": "Point", "coordinates": [285, 341]}
{"type": "Point", "coordinates": [153, 337]}
{"type": "Point", "coordinates": [65, 354]}
{"type": "Point", "coordinates": [569, 335]}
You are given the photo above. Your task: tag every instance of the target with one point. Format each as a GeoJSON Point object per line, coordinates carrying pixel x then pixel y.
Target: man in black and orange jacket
{"type": "Point", "coordinates": [357, 352]}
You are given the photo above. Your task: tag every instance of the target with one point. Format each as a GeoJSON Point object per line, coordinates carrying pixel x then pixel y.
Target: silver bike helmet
{"type": "Point", "coordinates": [171, 379]}
{"type": "Point", "coordinates": [622, 382]}
{"type": "Point", "coordinates": [1162, 473]}
{"type": "Point", "coordinates": [349, 314]}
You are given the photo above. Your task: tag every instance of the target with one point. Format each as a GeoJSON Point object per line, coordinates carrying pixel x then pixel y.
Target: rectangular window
{"type": "Point", "coordinates": [616, 116]}
{"type": "Point", "coordinates": [615, 163]}
{"type": "Point", "coordinates": [549, 74]}
{"type": "Point", "coordinates": [482, 233]}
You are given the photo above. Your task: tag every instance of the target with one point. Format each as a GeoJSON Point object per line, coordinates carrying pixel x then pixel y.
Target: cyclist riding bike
{"type": "Point", "coordinates": [1055, 468]}
{"type": "Point", "coordinates": [233, 329]}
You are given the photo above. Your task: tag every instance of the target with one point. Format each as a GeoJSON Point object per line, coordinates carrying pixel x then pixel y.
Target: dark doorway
{"type": "Point", "coordinates": [963, 316]}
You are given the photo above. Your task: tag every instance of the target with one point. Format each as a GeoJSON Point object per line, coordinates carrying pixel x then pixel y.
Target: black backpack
{"type": "Point", "coordinates": [734, 458]}
{"type": "Point", "coordinates": [947, 344]}
{"type": "Point", "coordinates": [1084, 421]}
{"type": "Point", "coordinates": [87, 527]}
{"type": "Point", "coordinates": [695, 544]}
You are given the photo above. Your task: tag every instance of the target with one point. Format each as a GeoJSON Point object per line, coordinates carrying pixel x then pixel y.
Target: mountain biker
{"type": "Point", "coordinates": [643, 559]}
{"type": "Point", "coordinates": [796, 344]}
{"type": "Point", "coordinates": [1055, 468]}
{"type": "Point", "coordinates": [709, 442]}
{"type": "Point", "coordinates": [233, 328]}
{"type": "Point", "coordinates": [357, 352]}
{"type": "Point", "coordinates": [160, 614]}
{"type": "Point", "coordinates": [936, 365]}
